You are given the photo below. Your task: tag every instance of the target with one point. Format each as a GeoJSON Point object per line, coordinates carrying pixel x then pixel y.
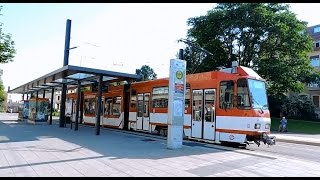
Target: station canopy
{"type": "Point", "coordinates": [71, 75]}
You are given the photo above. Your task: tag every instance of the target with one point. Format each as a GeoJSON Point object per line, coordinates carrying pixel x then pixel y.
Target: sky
{"type": "Point", "coordinates": [119, 37]}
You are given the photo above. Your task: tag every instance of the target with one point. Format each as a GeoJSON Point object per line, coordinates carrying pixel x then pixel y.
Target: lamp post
{"type": "Point", "coordinates": [65, 63]}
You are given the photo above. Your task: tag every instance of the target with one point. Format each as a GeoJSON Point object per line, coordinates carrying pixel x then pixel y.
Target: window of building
{"type": "Point", "coordinates": [58, 98]}
{"type": "Point", "coordinates": [160, 96]}
{"type": "Point", "coordinates": [317, 44]}
{"type": "Point", "coordinates": [315, 100]}
{"type": "Point", "coordinates": [305, 96]}
{"type": "Point", "coordinates": [316, 29]}
{"type": "Point", "coordinates": [315, 62]}
{"type": "Point", "coordinates": [226, 94]}
{"type": "Point", "coordinates": [313, 85]}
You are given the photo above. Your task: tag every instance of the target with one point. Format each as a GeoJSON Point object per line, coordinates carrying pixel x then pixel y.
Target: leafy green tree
{"type": "Point", "coordinates": [7, 50]}
{"type": "Point", "coordinates": [146, 73]}
{"type": "Point", "coordinates": [299, 107]}
{"type": "Point", "coordinates": [7, 53]}
{"type": "Point", "coordinates": [264, 36]}
{"type": "Point", "coordinates": [2, 97]}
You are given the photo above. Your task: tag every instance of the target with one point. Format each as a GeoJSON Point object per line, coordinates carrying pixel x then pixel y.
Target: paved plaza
{"type": "Point", "coordinates": [47, 150]}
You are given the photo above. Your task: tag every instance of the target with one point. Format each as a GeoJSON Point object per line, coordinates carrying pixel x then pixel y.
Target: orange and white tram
{"type": "Point", "coordinates": [228, 105]}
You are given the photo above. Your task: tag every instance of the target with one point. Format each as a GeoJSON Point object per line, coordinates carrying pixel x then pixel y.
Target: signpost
{"type": "Point", "coordinates": [177, 86]}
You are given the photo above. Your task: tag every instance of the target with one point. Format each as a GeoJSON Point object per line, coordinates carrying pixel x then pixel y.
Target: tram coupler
{"type": "Point", "coordinates": [270, 140]}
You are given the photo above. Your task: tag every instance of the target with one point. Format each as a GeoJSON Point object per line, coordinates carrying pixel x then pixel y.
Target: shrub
{"type": "Point", "coordinates": [299, 107]}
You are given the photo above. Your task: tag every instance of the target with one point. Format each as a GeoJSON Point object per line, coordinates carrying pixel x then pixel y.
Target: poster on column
{"type": "Point", "coordinates": [177, 83]}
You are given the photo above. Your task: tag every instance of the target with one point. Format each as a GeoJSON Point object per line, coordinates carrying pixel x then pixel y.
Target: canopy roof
{"type": "Point", "coordinates": [70, 75]}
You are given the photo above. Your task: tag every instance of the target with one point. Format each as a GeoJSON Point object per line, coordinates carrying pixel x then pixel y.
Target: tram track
{"type": "Point", "coordinates": [281, 149]}
{"type": "Point", "coordinates": [193, 142]}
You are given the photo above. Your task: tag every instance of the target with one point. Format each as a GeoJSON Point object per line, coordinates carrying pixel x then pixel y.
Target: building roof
{"type": "Point", "coordinates": [311, 32]}
{"type": "Point", "coordinates": [70, 75]}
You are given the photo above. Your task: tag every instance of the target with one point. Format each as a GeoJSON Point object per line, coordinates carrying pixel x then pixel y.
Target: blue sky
{"type": "Point", "coordinates": [127, 35]}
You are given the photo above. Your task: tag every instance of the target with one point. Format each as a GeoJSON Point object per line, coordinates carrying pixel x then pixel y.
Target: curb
{"type": "Point", "coordinates": [298, 142]}
{"type": "Point", "coordinates": [163, 138]}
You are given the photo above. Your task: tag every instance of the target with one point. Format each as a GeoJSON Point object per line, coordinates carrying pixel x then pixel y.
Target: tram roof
{"type": "Point", "coordinates": [70, 75]}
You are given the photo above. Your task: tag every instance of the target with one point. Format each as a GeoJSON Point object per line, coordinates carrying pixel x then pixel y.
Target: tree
{"type": "Point", "coordinates": [2, 97]}
{"type": "Point", "coordinates": [7, 50]}
{"type": "Point", "coordinates": [264, 36]}
{"type": "Point", "coordinates": [299, 107]}
{"type": "Point", "coordinates": [146, 73]}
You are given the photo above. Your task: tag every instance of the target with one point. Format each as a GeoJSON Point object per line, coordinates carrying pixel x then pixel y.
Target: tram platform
{"type": "Point", "coordinates": [48, 150]}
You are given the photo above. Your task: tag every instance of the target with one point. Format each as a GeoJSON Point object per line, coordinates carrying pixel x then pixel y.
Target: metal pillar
{"type": "Point", "coordinates": [51, 109]}
{"type": "Point", "coordinates": [126, 101]}
{"type": "Point", "coordinates": [78, 106]}
{"type": "Point", "coordinates": [81, 107]}
{"type": "Point", "coordinates": [99, 106]}
{"type": "Point", "coordinates": [37, 102]}
{"type": "Point", "coordinates": [63, 106]}
{"type": "Point", "coordinates": [65, 62]}
{"type": "Point", "coordinates": [181, 54]}
{"type": "Point", "coordinates": [44, 94]}
{"type": "Point", "coordinates": [67, 43]}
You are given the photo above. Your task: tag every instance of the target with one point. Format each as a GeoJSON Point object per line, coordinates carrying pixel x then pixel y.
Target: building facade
{"type": "Point", "coordinates": [313, 90]}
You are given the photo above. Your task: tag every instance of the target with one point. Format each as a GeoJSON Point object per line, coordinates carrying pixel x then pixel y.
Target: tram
{"type": "Point", "coordinates": [226, 105]}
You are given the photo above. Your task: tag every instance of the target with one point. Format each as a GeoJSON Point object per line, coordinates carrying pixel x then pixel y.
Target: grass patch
{"type": "Point", "coordinates": [297, 126]}
{"type": "Point", "coordinates": [55, 114]}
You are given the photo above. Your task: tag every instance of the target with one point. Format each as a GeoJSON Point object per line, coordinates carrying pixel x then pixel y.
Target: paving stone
{"type": "Point", "coordinates": [43, 150]}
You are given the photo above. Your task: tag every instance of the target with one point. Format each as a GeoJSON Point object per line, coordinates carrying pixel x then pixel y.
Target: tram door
{"type": "Point", "coordinates": [203, 113]}
{"type": "Point", "coordinates": [143, 114]}
{"type": "Point", "coordinates": [101, 114]}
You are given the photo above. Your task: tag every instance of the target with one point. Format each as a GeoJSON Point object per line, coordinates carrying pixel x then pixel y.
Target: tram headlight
{"type": "Point", "coordinates": [267, 126]}
{"type": "Point", "coordinates": [257, 125]}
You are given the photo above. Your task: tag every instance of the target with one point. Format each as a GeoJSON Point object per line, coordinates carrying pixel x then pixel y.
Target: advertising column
{"type": "Point", "coordinates": [177, 86]}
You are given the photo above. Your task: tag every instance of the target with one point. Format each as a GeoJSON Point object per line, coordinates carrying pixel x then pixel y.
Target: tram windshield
{"type": "Point", "coordinates": [258, 94]}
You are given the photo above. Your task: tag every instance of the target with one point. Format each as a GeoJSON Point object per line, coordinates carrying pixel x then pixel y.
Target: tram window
{"type": "Point", "coordinates": [90, 106]}
{"type": "Point", "coordinates": [146, 106]}
{"type": "Point", "coordinates": [107, 106]}
{"type": "Point", "coordinates": [242, 94]}
{"type": "Point", "coordinates": [133, 102]}
{"type": "Point", "coordinates": [140, 105]}
{"type": "Point", "coordinates": [187, 99]}
{"type": "Point", "coordinates": [160, 96]}
{"type": "Point", "coordinates": [116, 110]}
{"type": "Point", "coordinates": [209, 104]}
{"type": "Point", "coordinates": [226, 94]}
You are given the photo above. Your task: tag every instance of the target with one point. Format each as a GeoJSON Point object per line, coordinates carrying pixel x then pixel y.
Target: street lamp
{"type": "Point", "coordinates": [73, 48]}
